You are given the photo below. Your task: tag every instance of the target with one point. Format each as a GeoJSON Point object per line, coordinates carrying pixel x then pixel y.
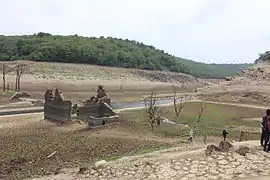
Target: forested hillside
{"type": "Point", "coordinates": [103, 51]}
{"type": "Point", "coordinates": [214, 70]}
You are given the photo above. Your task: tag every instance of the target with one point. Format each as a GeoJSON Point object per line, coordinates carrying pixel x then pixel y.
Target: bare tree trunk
{"type": "Point", "coordinates": [16, 83]}
{"type": "Point", "coordinates": [4, 77]}
{"type": "Point", "coordinates": [152, 127]}
{"type": "Point", "coordinates": [4, 82]}
{"type": "Point", "coordinates": [19, 83]}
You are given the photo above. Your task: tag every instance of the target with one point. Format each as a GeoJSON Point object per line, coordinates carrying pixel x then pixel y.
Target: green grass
{"type": "Point", "coordinates": [113, 158]}
{"type": "Point", "coordinates": [150, 150]}
{"type": "Point", "coordinates": [214, 119]}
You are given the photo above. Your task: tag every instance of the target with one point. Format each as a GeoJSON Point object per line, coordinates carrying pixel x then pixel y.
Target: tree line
{"type": "Point", "coordinates": [88, 50]}
{"type": "Point", "coordinates": [105, 52]}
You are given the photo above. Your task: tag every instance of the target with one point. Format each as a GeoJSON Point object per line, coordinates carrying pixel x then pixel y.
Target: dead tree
{"type": "Point", "coordinates": [20, 68]}
{"type": "Point", "coordinates": [5, 68]}
{"type": "Point", "coordinates": [178, 107]}
{"type": "Point", "coordinates": [202, 109]}
{"type": "Point", "coordinates": [152, 109]}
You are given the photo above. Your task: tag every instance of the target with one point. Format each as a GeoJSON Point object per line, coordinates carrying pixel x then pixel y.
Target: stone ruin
{"type": "Point", "coordinates": [55, 107]}
{"type": "Point", "coordinates": [96, 111]}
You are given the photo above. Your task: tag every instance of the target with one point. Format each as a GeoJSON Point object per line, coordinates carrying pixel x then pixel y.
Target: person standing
{"type": "Point", "coordinates": [190, 139]}
{"type": "Point", "coordinates": [266, 125]}
{"type": "Point", "coordinates": [263, 135]}
{"type": "Point", "coordinates": [225, 133]}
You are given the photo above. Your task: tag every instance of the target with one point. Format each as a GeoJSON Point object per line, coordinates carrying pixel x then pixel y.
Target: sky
{"type": "Point", "coordinates": [210, 31]}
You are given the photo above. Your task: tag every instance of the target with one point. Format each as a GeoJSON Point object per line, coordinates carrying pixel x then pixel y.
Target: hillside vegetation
{"type": "Point", "coordinates": [214, 70]}
{"type": "Point", "coordinates": [104, 51]}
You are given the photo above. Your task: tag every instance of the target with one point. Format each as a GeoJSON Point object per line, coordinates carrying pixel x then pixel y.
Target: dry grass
{"type": "Point", "coordinates": [80, 81]}
{"type": "Point", "coordinates": [33, 145]}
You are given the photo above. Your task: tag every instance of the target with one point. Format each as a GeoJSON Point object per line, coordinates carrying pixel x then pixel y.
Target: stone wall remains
{"type": "Point", "coordinates": [95, 110]}
{"type": "Point", "coordinates": [56, 108]}
{"type": "Point", "coordinates": [101, 121]}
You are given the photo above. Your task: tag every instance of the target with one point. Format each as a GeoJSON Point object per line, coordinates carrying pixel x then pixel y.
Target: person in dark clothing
{"type": "Point", "coordinates": [266, 126]}
{"type": "Point", "coordinates": [224, 133]}
{"type": "Point", "coordinates": [263, 135]}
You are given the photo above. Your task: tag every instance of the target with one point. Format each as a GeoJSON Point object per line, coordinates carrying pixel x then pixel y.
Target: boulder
{"type": "Point", "coordinates": [228, 78]}
{"type": "Point", "coordinates": [225, 146]}
{"type": "Point", "coordinates": [210, 149]}
{"type": "Point", "coordinates": [82, 170]}
{"type": "Point", "coordinates": [100, 164]}
{"type": "Point", "coordinates": [243, 150]}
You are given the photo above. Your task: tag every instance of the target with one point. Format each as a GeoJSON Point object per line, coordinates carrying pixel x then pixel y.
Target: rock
{"type": "Point", "coordinates": [213, 177]}
{"type": "Point", "coordinates": [225, 146]}
{"type": "Point", "coordinates": [240, 169]}
{"type": "Point", "coordinates": [242, 175]}
{"type": "Point", "coordinates": [210, 149]}
{"type": "Point", "coordinates": [220, 157]}
{"type": "Point", "coordinates": [223, 162]}
{"type": "Point", "coordinates": [57, 171]}
{"type": "Point", "coordinates": [100, 164]}
{"type": "Point", "coordinates": [243, 150]}
{"type": "Point", "coordinates": [228, 78]}
{"type": "Point", "coordinates": [191, 176]}
{"type": "Point", "coordinates": [185, 169]}
{"type": "Point", "coordinates": [82, 170]}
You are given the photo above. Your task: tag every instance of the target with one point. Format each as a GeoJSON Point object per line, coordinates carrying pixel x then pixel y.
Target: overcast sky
{"type": "Point", "coordinates": [220, 31]}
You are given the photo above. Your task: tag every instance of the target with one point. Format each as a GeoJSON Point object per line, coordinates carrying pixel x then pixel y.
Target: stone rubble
{"type": "Point", "coordinates": [221, 165]}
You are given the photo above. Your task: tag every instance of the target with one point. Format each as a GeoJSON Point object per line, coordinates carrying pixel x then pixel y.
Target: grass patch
{"type": "Point", "coordinates": [215, 118]}
{"type": "Point", "coordinates": [150, 150]}
{"type": "Point", "coordinates": [113, 158]}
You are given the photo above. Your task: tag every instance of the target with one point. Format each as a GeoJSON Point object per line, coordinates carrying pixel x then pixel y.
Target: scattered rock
{"type": "Point", "coordinates": [243, 150]}
{"type": "Point", "coordinates": [82, 170]}
{"type": "Point", "coordinates": [101, 164]}
{"type": "Point", "coordinates": [210, 149]}
{"type": "Point", "coordinates": [57, 171]}
{"type": "Point", "coordinates": [223, 162]}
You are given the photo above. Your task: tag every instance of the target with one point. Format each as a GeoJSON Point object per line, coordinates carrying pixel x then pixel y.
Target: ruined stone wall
{"type": "Point", "coordinates": [56, 108]}
{"type": "Point", "coordinates": [96, 122]}
{"type": "Point", "coordinates": [95, 110]}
